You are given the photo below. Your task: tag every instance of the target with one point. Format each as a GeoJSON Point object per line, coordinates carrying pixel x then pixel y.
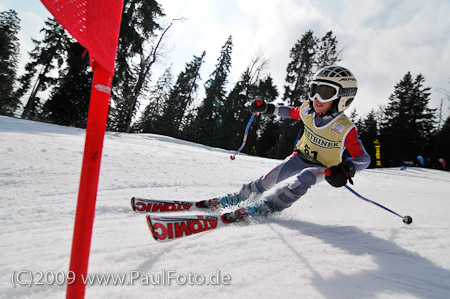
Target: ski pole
{"type": "Point", "coordinates": [406, 219]}
{"type": "Point", "coordinates": [259, 103]}
{"type": "Point", "coordinates": [232, 157]}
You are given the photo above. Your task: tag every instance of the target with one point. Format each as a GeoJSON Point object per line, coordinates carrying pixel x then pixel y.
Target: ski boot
{"type": "Point", "coordinates": [254, 209]}
{"type": "Point", "coordinates": [213, 203]}
{"type": "Point", "coordinates": [231, 199]}
{"type": "Point", "coordinates": [226, 201]}
{"type": "Point", "coordinates": [260, 208]}
{"type": "Point", "coordinates": [237, 215]}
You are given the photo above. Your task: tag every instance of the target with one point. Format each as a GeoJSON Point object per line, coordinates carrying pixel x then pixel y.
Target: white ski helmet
{"type": "Point", "coordinates": [333, 83]}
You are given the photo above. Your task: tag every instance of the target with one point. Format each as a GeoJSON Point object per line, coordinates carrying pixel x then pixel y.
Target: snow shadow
{"type": "Point", "coordinates": [398, 270]}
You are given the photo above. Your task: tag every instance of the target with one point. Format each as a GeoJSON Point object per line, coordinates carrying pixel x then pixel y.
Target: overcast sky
{"type": "Point", "coordinates": [381, 39]}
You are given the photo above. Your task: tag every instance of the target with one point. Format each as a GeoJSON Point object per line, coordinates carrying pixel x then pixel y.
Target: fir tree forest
{"type": "Point", "coordinates": [393, 135]}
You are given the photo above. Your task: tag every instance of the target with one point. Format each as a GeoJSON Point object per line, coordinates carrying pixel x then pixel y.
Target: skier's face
{"type": "Point", "coordinates": [320, 107]}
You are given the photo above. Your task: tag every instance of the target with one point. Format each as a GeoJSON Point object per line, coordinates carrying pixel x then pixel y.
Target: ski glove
{"type": "Point", "coordinates": [338, 175]}
{"type": "Point", "coordinates": [259, 106]}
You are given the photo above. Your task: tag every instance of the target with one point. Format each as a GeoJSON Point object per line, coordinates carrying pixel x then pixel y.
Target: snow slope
{"type": "Point", "coordinates": [330, 244]}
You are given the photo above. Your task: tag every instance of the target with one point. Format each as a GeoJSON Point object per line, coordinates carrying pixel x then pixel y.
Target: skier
{"type": "Point", "coordinates": [327, 133]}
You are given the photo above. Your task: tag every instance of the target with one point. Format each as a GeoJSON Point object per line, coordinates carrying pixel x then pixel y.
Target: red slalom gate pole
{"type": "Point", "coordinates": [87, 193]}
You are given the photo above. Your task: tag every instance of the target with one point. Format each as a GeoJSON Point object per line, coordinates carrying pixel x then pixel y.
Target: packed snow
{"type": "Point", "coordinates": [329, 244]}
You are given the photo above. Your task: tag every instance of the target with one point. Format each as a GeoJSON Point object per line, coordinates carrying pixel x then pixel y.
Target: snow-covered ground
{"type": "Point", "coordinates": [330, 244]}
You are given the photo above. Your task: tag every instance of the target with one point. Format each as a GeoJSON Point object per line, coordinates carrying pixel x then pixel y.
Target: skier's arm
{"type": "Point", "coordinates": [260, 106]}
{"type": "Point", "coordinates": [356, 149]}
{"type": "Point", "coordinates": [283, 111]}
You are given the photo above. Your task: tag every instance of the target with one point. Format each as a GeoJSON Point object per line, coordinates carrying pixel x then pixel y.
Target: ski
{"type": "Point", "coordinates": [143, 205]}
{"type": "Point", "coordinates": [170, 227]}
{"type": "Point", "coordinates": [167, 228]}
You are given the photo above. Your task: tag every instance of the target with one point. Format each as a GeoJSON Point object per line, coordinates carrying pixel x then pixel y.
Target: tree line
{"type": "Point", "coordinates": [55, 87]}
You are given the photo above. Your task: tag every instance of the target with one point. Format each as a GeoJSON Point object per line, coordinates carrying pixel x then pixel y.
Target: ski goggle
{"type": "Point", "coordinates": [325, 92]}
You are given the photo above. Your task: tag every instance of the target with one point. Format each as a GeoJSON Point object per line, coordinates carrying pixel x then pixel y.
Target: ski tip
{"type": "Point", "coordinates": [150, 226]}
{"type": "Point", "coordinates": [132, 204]}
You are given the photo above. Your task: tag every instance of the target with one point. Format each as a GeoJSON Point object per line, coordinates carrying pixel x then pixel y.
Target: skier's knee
{"type": "Point", "coordinates": [285, 196]}
{"type": "Point", "coordinates": [307, 178]}
{"type": "Point", "coordinates": [304, 181]}
{"type": "Point", "coordinates": [249, 189]}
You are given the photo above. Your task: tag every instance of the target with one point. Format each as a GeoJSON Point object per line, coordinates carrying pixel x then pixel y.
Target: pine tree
{"type": "Point", "coordinates": [48, 54]}
{"type": "Point", "coordinates": [267, 127]}
{"type": "Point", "coordinates": [136, 53]}
{"type": "Point", "coordinates": [299, 72]}
{"type": "Point", "coordinates": [231, 114]}
{"type": "Point", "coordinates": [307, 56]}
{"type": "Point", "coordinates": [327, 52]}
{"type": "Point", "coordinates": [234, 113]}
{"type": "Point", "coordinates": [9, 59]}
{"type": "Point", "coordinates": [354, 116]}
{"type": "Point", "coordinates": [408, 123]}
{"type": "Point", "coordinates": [368, 132]}
{"type": "Point", "coordinates": [69, 101]}
{"type": "Point", "coordinates": [300, 69]}
{"type": "Point", "coordinates": [159, 95]}
{"type": "Point", "coordinates": [207, 125]}
{"type": "Point", "coordinates": [443, 145]}
{"type": "Point", "coordinates": [180, 98]}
